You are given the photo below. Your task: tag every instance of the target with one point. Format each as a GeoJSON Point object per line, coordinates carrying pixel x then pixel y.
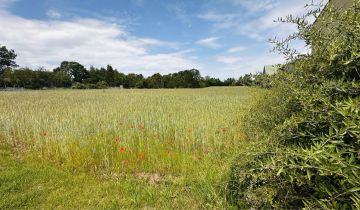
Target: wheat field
{"type": "Point", "coordinates": [155, 136]}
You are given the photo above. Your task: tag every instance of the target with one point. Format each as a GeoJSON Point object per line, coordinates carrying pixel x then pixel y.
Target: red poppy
{"type": "Point", "coordinates": [122, 149]}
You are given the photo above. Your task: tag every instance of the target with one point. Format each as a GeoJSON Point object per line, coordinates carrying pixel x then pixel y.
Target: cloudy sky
{"type": "Point", "coordinates": [221, 38]}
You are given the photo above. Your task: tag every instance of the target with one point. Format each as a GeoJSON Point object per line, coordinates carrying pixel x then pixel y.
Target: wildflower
{"type": "Point", "coordinates": [122, 149]}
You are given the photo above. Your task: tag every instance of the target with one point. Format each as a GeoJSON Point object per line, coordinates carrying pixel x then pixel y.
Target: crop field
{"type": "Point", "coordinates": [119, 148]}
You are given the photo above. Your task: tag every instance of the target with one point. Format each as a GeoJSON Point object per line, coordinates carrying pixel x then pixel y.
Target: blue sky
{"type": "Point", "coordinates": [221, 38]}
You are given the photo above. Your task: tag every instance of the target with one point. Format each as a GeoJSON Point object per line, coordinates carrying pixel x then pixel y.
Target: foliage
{"type": "Point", "coordinates": [73, 74]}
{"type": "Point", "coordinates": [75, 70]}
{"type": "Point", "coordinates": [309, 123]}
{"type": "Point", "coordinates": [7, 58]}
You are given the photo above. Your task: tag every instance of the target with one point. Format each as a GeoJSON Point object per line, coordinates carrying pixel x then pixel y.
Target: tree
{"type": "Point", "coordinates": [155, 81]}
{"type": "Point", "coordinates": [61, 79]}
{"type": "Point", "coordinates": [6, 78]}
{"type": "Point", "coordinates": [209, 81]}
{"type": "Point", "coordinates": [230, 82]}
{"type": "Point", "coordinates": [7, 58]}
{"type": "Point", "coordinates": [42, 79]}
{"type": "Point", "coordinates": [75, 70]}
{"type": "Point", "coordinates": [134, 81]}
{"type": "Point", "coordinates": [248, 80]}
{"type": "Point", "coordinates": [119, 78]}
{"type": "Point", "coordinates": [24, 77]}
{"type": "Point", "coordinates": [109, 76]}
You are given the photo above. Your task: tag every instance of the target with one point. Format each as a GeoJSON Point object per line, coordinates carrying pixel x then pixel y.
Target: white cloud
{"type": "Point", "coordinates": [234, 66]}
{"type": "Point", "coordinates": [53, 13]}
{"type": "Point", "coordinates": [260, 27]}
{"type": "Point", "coordinates": [264, 27]}
{"type": "Point", "coordinates": [210, 42]}
{"type": "Point", "coordinates": [216, 17]}
{"type": "Point", "coordinates": [221, 20]}
{"type": "Point", "coordinates": [236, 49]}
{"type": "Point", "coordinates": [229, 59]}
{"type": "Point", "coordinates": [256, 5]}
{"type": "Point", "coordinates": [88, 41]}
{"type": "Point", "coordinates": [260, 15]}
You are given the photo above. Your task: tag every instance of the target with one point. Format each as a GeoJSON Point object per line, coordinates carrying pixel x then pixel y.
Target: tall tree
{"type": "Point", "coordinates": [110, 75]}
{"type": "Point", "coordinates": [75, 70]}
{"type": "Point", "coordinates": [7, 58]}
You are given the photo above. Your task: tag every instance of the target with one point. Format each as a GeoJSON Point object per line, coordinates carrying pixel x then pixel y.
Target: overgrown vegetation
{"type": "Point", "coordinates": [308, 123]}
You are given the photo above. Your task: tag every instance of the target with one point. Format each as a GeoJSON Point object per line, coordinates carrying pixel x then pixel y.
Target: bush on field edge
{"type": "Point", "coordinates": [307, 125]}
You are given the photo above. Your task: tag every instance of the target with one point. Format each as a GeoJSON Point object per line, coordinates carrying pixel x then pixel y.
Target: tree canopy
{"type": "Point", "coordinates": [7, 58]}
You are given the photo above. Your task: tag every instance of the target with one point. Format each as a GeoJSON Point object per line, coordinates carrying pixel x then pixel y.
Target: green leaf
{"type": "Point", "coordinates": [309, 173]}
{"type": "Point", "coordinates": [355, 189]}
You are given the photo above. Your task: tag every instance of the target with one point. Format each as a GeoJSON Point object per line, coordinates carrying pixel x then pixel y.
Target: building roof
{"type": "Point", "coordinates": [271, 69]}
{"type": "Point", "coordinates": [341, 4]}
{"type": "Point", "coordinates": [337, 4]}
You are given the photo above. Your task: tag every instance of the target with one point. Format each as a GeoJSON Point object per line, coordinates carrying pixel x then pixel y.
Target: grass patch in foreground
{"type": "Point", "coordinates": [29, 185]}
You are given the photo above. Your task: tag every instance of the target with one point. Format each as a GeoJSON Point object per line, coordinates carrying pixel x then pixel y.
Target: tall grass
{"type": "Point", "coordinates": [171, 132]}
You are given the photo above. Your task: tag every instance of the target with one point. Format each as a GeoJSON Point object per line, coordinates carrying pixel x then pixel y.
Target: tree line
{"type": "Point", "coordinates": [71, 74]}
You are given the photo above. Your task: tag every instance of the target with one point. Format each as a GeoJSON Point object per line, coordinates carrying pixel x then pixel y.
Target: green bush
{"type": "Point", "coordinates": [99, 85]}
{"type": "Point", "coordinates": [102, 85]}
{"type": "Point", "coordinates": [308, 124]}
{"type": "Point", "coordinates": [78, 85]}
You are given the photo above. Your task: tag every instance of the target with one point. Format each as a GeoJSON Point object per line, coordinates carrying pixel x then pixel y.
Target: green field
{"type": "Point", "coordinates": [120, 148]}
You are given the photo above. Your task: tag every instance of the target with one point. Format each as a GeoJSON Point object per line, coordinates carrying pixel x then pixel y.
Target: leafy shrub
{"type": "Point", "coordinates": [102, 85]}
{"type": "Point", "coordinates": [78, 85]}
{"type": "Point", "coordinates": [98, 85]}
{"type": "Point", "coordinates": [308, 124]}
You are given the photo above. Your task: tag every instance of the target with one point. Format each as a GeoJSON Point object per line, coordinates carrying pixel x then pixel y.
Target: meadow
{"type": "Point", "coordinates": [168, 148]}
